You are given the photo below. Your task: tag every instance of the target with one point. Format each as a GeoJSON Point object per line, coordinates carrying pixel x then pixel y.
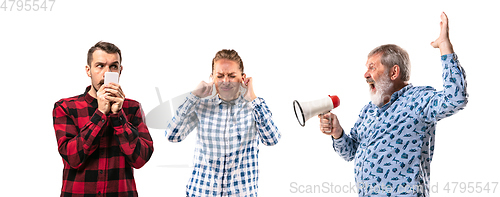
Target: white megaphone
{"type": "Point", "coordinates": [306, 110]}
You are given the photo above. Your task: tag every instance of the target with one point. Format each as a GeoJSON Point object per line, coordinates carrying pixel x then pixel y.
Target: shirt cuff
{"type": "Point", "coordinates": [448, 57]}
{"type": "Point", "coordinates": [118, 119]}
{"type": "Point", "coordinates": [341, 142]}
{"type": "Point", "coordinates": [98, 118]}
{"type": "Point", "coordinates": [260, 110]}
{"type": "Point", "coordinates": [193, 97]}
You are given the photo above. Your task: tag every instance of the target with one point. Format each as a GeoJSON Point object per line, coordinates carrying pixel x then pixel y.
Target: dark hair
{"type": "Point", "coordinates": [106, 47]}
{"type": "Point", "coordinates": [229, 55]}
{"type": "Point", "coordinates": [394, 55]}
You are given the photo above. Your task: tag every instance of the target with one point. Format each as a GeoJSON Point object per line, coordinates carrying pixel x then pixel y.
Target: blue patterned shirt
{"type": "Point", "coordinates": [226, 154]}
{"type": "Point", "coordinates": [392, 146]}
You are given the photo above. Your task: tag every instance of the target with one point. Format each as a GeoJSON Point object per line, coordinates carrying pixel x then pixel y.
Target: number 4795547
{"type": "Point", "coordinates": [27, 5]}
{"type": "Point", "coordinates": [471, 187]}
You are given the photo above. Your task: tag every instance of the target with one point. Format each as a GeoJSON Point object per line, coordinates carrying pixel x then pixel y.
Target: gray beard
{"type": "Point", "coordinates": [383, 86]}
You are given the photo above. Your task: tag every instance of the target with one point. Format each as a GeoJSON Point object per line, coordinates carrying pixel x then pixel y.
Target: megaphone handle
{"type": "Point", "coordinates": [329, 120]}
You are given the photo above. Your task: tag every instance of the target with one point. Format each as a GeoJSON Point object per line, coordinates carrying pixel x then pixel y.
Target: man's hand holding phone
{"type": "Point", "coordinates": [110, 96]}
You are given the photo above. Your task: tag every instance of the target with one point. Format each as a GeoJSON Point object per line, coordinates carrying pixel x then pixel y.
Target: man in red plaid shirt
{"type": "Point", "coordinates": [101, 135]}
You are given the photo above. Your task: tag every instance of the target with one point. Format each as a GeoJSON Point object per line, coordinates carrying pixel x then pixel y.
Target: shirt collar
{"type": "Point", "coordinates": [395, 96]}
{"type": "Point", "coordinates": [217, 100]}
{"type": "Point", "coordinates": [89, 98]}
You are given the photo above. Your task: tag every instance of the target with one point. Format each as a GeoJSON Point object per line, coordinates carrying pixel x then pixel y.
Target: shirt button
{"type": "Point", "coordinates": [100, 171]}
{"type": "Point", "coordinates": [102, 120]}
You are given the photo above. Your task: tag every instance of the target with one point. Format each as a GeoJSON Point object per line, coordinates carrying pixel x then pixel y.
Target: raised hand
{"type": "Point", "coordinates": [203, 89]}
{"type": "Point", "coordinates": [443, 41]}
{"type": "Point", "coordinates": [250, 94]}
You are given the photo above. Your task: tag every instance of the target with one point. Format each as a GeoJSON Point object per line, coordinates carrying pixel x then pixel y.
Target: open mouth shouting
{"type": "Point", "coordinates": [371, 83]}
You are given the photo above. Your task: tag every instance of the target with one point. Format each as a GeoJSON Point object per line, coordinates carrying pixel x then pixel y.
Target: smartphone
{"type": "Point", "coordinates": [111, 77]}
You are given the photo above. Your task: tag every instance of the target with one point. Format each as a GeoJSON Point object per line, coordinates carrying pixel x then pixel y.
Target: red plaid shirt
{"type": "Point", "coordinates": [99, 151]}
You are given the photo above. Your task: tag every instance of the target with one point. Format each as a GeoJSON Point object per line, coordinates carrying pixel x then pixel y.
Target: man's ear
{"type": "Point", "coordinates": [121, 68]}
{"type": "Point", "coordinates": [395, 72]}
{"type": "Point", "coordinates": [87, 70]}
{"type": "Point", "coordinates": [243, 77]}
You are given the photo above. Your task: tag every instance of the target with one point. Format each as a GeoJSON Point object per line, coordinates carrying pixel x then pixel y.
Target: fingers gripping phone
{"type": "Point", "coordinates": [111, 77]}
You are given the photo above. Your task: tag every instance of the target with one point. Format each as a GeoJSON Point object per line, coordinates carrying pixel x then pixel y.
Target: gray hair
{"type": "Point", "coordinates": [394, 55]}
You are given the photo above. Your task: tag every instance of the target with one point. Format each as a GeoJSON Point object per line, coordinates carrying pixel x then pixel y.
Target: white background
{"type": "Point", "coordinates": [293, 50]}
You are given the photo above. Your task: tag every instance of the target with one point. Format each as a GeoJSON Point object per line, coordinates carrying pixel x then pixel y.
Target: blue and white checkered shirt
{"type": "Point", "coordinates": [392, 146]}
{"type": "Point", "coordinates": [226, 154]}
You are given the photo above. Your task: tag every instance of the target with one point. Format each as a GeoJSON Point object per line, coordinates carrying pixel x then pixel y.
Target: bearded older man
{"type": "Point", "coordinates": [392, 142]}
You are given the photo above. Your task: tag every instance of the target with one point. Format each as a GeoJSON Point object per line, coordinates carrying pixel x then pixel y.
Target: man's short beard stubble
{"type": "Point", "coordinates": [382, 87]}
{"type": "Point", "coordinates": [96, 88]}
